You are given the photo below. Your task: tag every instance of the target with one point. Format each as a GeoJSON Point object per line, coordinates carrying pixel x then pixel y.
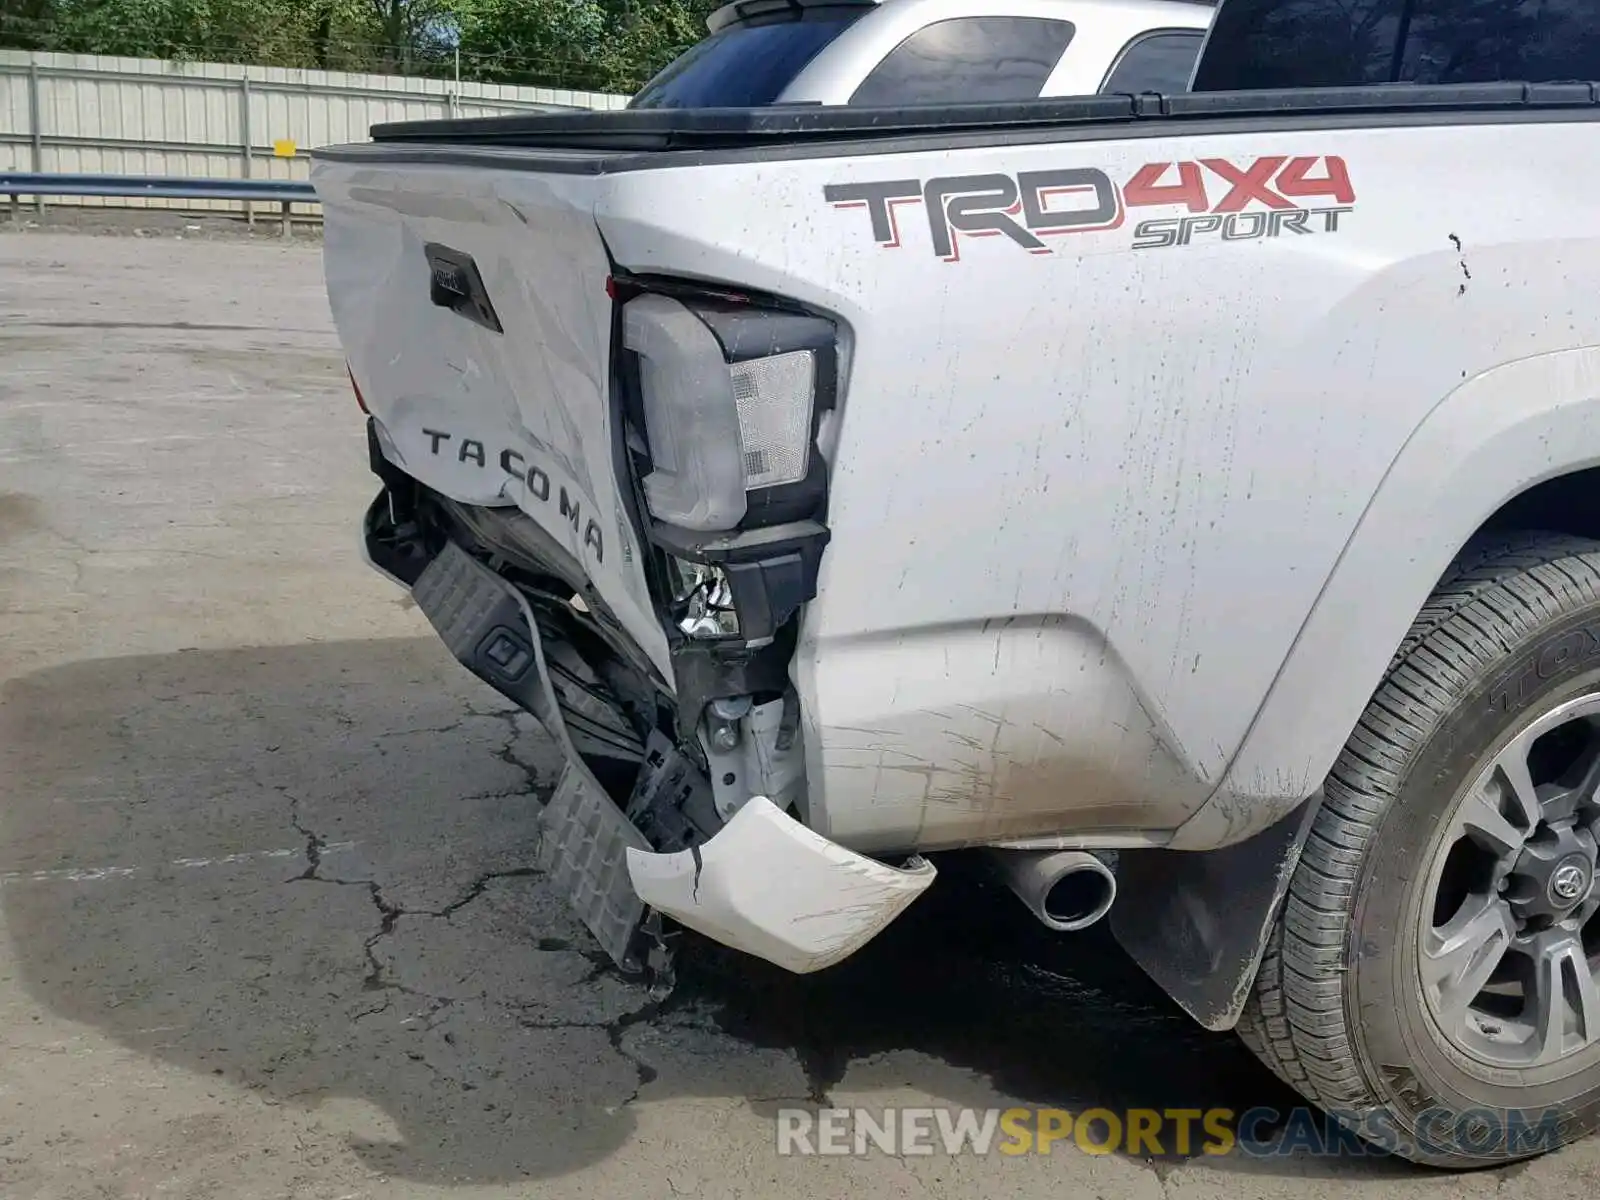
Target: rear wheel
{"type": "Point", "coordinates": [1434, 978]}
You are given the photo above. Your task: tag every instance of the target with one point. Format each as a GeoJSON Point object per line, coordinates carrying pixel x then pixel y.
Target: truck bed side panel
{"type": "Point", "coordinates": [1092, 480]}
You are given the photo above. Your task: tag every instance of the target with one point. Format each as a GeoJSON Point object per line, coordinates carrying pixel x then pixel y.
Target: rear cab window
{"type": "Point", "coordinates": [748, 64]}
{"type": "Point", "coordinates": [1346, 43]}
{"type": "Point", "coordinates": [1161, 61]}
{"type": "Point", "coordinates": [968, 60]}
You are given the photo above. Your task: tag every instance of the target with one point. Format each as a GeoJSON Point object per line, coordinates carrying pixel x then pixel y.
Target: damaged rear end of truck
{"type": "Point", "coordinates": [607, 489]}
{"type": "Point", "coordinates": [1206, 478]}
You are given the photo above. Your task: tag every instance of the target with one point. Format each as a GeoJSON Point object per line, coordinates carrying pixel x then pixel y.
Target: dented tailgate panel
{"type": "Point", "coordinates": [473, 309]}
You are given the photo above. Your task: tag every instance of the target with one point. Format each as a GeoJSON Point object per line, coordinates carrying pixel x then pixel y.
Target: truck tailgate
{"type": "Point", "coordinates": [473, 309]}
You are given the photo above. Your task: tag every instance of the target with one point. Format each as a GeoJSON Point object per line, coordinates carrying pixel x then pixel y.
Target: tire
{"type": "Point", "coordinates": [1508, 643]}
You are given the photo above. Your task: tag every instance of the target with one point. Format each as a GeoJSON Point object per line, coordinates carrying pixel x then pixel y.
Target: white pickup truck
{"type": "Point", "coordinates": [1188, 502]}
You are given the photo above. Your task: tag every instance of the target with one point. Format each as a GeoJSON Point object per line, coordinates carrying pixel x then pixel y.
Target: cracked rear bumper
{"type": "Point", "coordinates": [765, 884]}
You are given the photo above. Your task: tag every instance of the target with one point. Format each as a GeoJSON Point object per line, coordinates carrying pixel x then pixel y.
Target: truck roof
{"type": "Point", "coordinates": [749, 10]}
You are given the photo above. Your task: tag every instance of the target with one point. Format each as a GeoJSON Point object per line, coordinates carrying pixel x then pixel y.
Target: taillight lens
{"type": "Point", "coordinates": [775, 396]}
{"type": "Point", "coordinates": [691, 416]}
{"type": "Point", "coordinates": [729, 399]}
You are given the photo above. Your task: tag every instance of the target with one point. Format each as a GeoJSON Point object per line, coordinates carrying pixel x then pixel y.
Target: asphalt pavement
{"type": "Point", "coordinates": [272, 928]}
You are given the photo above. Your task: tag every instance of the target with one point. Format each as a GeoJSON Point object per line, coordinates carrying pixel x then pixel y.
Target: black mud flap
{"type": "Point", "coordinates": [1197, 922]}
{"type": "Point", "coordinates": [490, 629]}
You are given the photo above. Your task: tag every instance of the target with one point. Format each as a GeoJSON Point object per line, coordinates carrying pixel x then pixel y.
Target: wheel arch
{"type": "Point", "coordinates": [1567, 504]}
{"type": "Point", "coordinates": [1514, 448]}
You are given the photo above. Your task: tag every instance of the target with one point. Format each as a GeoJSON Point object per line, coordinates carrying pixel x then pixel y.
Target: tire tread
{"type": "Point", "coordinates": [1497, 593]}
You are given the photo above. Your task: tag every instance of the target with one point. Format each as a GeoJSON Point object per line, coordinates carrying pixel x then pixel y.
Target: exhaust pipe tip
{"type": "Point", "coordinates": [1066, 890]}
{"type": "Point", "coordinates": [1078, 899]}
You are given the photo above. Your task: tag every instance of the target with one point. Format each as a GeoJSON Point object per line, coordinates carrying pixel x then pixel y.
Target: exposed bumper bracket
{"type": "Point", "coordinates": [490, 628]}
{"type": "Point", "coordinates": [584, 838]}
{"type": "Point", "coordinates": [764, 884]}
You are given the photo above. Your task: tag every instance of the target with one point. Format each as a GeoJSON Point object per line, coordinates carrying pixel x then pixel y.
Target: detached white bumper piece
{"type": "Point", "coordinates": [768, 886]}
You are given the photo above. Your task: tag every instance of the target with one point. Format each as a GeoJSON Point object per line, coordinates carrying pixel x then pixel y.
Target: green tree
{"type": "Point", "coordinates": [25, 23]}
{"type": "Point", "coordinates": [603, 45]}
{"type": "Point", "coordinates": [409, 32]}
{"type": "Point", "coordinates": [552, 42]}
{"type": "Point", "coordinates": [650, 34]}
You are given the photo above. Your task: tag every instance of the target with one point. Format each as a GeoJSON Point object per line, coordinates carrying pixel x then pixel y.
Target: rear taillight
{"type": "Point", "coordinates": [731, 399]}
{"type": "Point", "coordinates": [691, 417]}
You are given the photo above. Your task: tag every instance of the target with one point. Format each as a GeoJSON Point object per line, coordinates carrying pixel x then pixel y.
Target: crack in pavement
{"type": "Point", "coordinates": [314, 844]}
{"type": "Point", "coordinates": [377, 1010]}
{"type": "Point", "coordinates": [508, 755]}
{"type": "Point", "coordinates": [390, 914]}
{"type": "Point", "coordinates": [616, 1030]}
{"type": "Point", "coordinates": [478, 887]}
{"type": "Point", "coordinates": [503, 794]}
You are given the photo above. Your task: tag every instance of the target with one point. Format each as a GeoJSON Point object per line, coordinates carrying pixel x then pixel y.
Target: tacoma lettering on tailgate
{"type": "Point", "coordinates": [1225, 200]}
{"type": "Point", "coordinates": [537, 480]}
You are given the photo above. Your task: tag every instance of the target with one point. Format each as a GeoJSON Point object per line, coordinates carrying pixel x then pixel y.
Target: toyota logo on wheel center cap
{"type": "Point", "coordinates": [1569, 883]}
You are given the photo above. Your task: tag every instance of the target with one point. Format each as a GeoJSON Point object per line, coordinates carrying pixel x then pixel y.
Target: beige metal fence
{"type": "Point", "coordinates": [78, 113]}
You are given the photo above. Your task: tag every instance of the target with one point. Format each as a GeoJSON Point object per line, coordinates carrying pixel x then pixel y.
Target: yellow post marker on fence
{"type": "Point", "coordinates": [284, 148]}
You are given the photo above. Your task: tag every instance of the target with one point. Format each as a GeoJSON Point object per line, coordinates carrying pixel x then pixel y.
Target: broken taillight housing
{"type": "Point", "coordinates": [730, 399]}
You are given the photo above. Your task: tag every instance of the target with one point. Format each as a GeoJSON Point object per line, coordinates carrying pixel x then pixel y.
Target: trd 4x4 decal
{"type": "Point", "coordinates": [1029, 207]}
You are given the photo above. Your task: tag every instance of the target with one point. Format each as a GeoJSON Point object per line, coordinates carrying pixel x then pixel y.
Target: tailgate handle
{"type": "Point", "coordinates": [454, 282]}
